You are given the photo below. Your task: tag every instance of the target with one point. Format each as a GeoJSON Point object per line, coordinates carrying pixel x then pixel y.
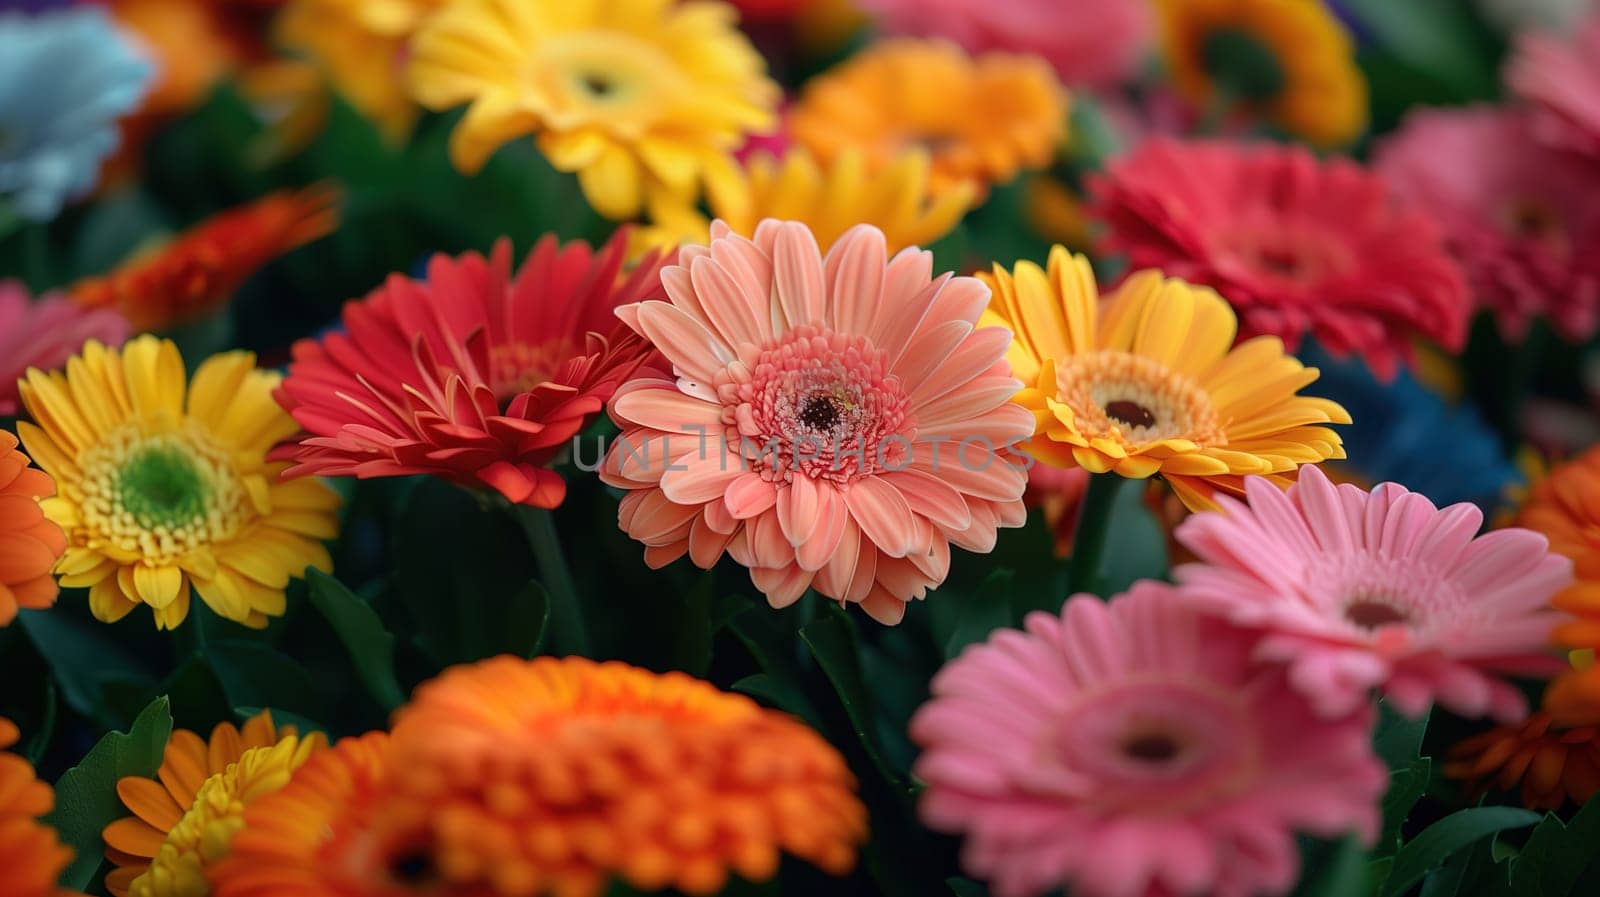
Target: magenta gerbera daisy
{"type": "Point", "coordinates": [1519, 216]}
{"type": "Point", "coordinates": [1133, 748]}
{"type": "Point", "coordinates": [44, 332]}
{"type": "Point", "coordinates": [1359, 590]}
{"type": "Point", "coordinates": [478, 374]}
{"type": "Point", "coordinates": [834, 424]}
{"type": "Point", "coordinates": [1560, 81]}
{"type": "Point", "coordinates": [1299, 246]}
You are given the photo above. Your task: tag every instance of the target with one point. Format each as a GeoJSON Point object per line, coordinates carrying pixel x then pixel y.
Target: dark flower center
{"type": "Point", "coordinates": [413, 868]}
{"type": "Point", "coordinates": [1370, 614]}
{"type": "Point", "coordinates": [1130, 414]}
{"type": "Point", "coordinates": [1244, 66]}
{"type": "Point", "coordinates": [819, 413]}
{"type": "Point", "coordinates": [1154, 748]}
{"type": "Point", "coordinates": [598, 85]}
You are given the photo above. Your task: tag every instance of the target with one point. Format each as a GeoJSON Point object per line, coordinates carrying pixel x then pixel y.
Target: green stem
{"type": "Point", "coordinates": [567, 632]}
{"type": "Point", "coordinates": [1086, 567]}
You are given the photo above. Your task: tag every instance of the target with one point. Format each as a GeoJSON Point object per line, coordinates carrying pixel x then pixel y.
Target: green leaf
{"type": "Point", "coordinates": [82, 658]}
{"type": "Point", "coordinates": [1406, 787]}
{"type": "Point", "coordinates": [1439, 841]}
{"type": "Point", "coordinates": [984, 612]}
{"type": "Point", "coordinates": [1434, 36]}
{"type": "Point", "coordinates": [1398, 738]}
{"type": "Point", "coordinates": [1557, 853]}
{"type": "Point", "coordinates": [86, 795]}
{"type": "Point", "coordinates": [832, 641]}
{"type": "Point", "coordinates": [966, 887]}
{"type": "Point", "coordinates": [370, 645]}
{"type": "Point", "coordinates": [254, 674]}
{"type": "Point", "coordinates": [1343, 872]}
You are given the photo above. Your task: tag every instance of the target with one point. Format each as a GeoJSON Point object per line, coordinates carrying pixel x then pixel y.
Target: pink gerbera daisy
{"type": "Point", "coordinates": [1560, 79]}
{"type": "Point", "coordinates": [834, 423]}
{"type": "Point", "coordinates": [1298, 246]}
{"type": "Point", "coordinates": [43, 333]}
{"type": "Point", "coordinates": [1090, 43]}
{"type": "Point", "coordinates": [1358, 590]}
{"type": "Point", "coordinates": [476, 375]}
{"type": "Point", "coordinates": [1519, 216]}
{"type": "Point", "coordinates": [1133, 748]}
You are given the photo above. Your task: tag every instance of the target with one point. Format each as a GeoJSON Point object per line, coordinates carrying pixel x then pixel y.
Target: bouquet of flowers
{"type": "Point", "coordinates": [593, 448]}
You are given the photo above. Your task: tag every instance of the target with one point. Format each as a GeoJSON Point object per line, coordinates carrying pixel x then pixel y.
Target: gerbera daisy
{"type": "Point", "coordinates": [1089, 42]}
{"type": "Point", "coordinates": [896, 198]}
{"type": "Point", "coordinates": [639, 97]}
{"type": "Point", "coordinates": [803, 433]}
{"type": "Point", "coordinates": [31, 853]}
{"type": "Point", "coordinates": [81, 76]}
{"type": "Point", "coordinates": [1298, 246]}
{"type": "Point", "coordinates": [184, 818]}
{"type": "Point", "coordinates": [199, 270]}
{"type": "Point", "coordinates": [982, 119]}
{"type": "Point", "coordinates": [1360, 590]}
{"type": "Point", "coordinates": [1560, 80]}
{"type": "Point", "coordinates": [514, 777]}
{"type": "Point", "coordinates": [44, 332]}
{"type": "Point", "coordinates": [1132, 748]}
{"type": "Point", "coordinates": [1289, 62]}
{"type": "Point", "coordinates": [362, 46]}
{"type": "Point", "coordinates": [1516, 215]}
{"type": "Point", "coordinates": [1565, 508]}
{"type": "Point", "coordinates": [1549, 763]}
{"type": "Point", "coordinates": [164, 484]}
{"type": "Point", "coordinates": [476, 374]}
{"type": "Point", "coordinates": [1149, 381]}
{"type": "Point", "coordinates": [29, 544]}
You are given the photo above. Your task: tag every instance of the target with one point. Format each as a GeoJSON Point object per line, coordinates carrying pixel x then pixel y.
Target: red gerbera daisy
{"type": "Point", "coordinates": [1298, 246]}
{"type": "Point", "coordinates": [475, 375]}
{"type": "Point", "coordinates": [199, 270]}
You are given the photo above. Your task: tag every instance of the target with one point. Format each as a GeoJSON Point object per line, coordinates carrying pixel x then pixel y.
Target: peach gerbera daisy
{"type": "Point", "coordinates": [164, 484]}
{"type": "Point", "coordinates": [983, 119]}
{"type": "Point", "coordinates": [29, 544]}
{"type": "Point", "coordinates": [31, 853]}
{"type": "Point", "coordinates": [513, 777]}
{"type": "Point", "coordinates": [1149, 382]}
{"type": "Point", "coordinates": [184, 818]}
{"type": "Point", "coordinates": [835, 423]}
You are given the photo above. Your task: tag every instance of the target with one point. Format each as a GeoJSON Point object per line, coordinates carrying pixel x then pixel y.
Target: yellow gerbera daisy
{"type": "Point", "coordinates": [161, 484]}
{"type": "Point", "coordinates": [983, 120]}
{"type": "Point", "coordinates": [361, 46]}
{"type": "Point", "coordinates": [1289, 61]}
{"type": "Point", "coordinates": [1150, 382]}
{"type": "Point", "coordinates": [636, 96]}
{"type": "Point", "coordinates": [184, 819]}
{"type": "Point", "coordinates": [830, 199]}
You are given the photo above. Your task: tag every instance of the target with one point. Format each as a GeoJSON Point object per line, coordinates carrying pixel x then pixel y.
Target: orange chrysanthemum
{"type": "Point", "coordinates": [1551, 763]}
{"type": "Point", "coordinates": [982, 119]}
{"type": "Point", "coordinates": [1565, 507]}
{"type": "Point", "coordinates": [31, 854]}
{"type": "Point", "coordinates": [185, 818]}
{"type": "Point", "coordinates": [29, 544]}
{"type": "Point", "coordinates": [551, 776]}
{"type": "Point", "coordinates": [199, 270]}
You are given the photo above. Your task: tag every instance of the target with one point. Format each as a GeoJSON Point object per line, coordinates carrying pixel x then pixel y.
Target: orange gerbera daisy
{"type": "Point", "coordinates": [29, 544]}
{"type": "Point", "coordinates": [199, 270]}
{"type": "Point", "coordinates": [1552, 762]}
{"type": "Point", "coordinates": [517, 777]}
{"type": "Point", "coordinates": [1565, 507]}
{"type": "Point", "coordinates": [185, 818]}
{"type": "Point", "coordinates": [31, 853]}
{"type": "Point", "coordinates": [983, 119]}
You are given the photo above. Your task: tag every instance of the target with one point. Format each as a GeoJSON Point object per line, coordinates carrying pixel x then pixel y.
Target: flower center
{"type": "Point", "coordinates": [1369, 614]}
{"type": "Point", "coordinates": [1154, 748]}
{"type": "Point", "coordinates": [515, 368]}
{"type": "Point", "coordinates": [1374, 593]}
{"type": "Point", "coordinates": [819, 403]}
{"type": "Point", "coordinates": [1243, 65]}
{"type": "Point", "coordinates": [159, 497]}
{"type": "Point", "coordinates": [605, 73]}
{"type": "Point", "coordinates": [1135, 399]}
{"type": "Point", "coordinates": [1533, 219]}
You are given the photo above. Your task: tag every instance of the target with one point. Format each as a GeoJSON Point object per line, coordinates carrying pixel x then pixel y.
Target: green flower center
{"type": "Point", "coordinates": [161, 487]}
{"type": "Point", "coordinates": [1243, 65]}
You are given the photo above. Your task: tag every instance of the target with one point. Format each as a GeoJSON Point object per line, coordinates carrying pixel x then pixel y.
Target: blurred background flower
{"type": "Point", "coordinates": [65, 78]}
{"type": "Point", "coordinates": [44, 332]}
